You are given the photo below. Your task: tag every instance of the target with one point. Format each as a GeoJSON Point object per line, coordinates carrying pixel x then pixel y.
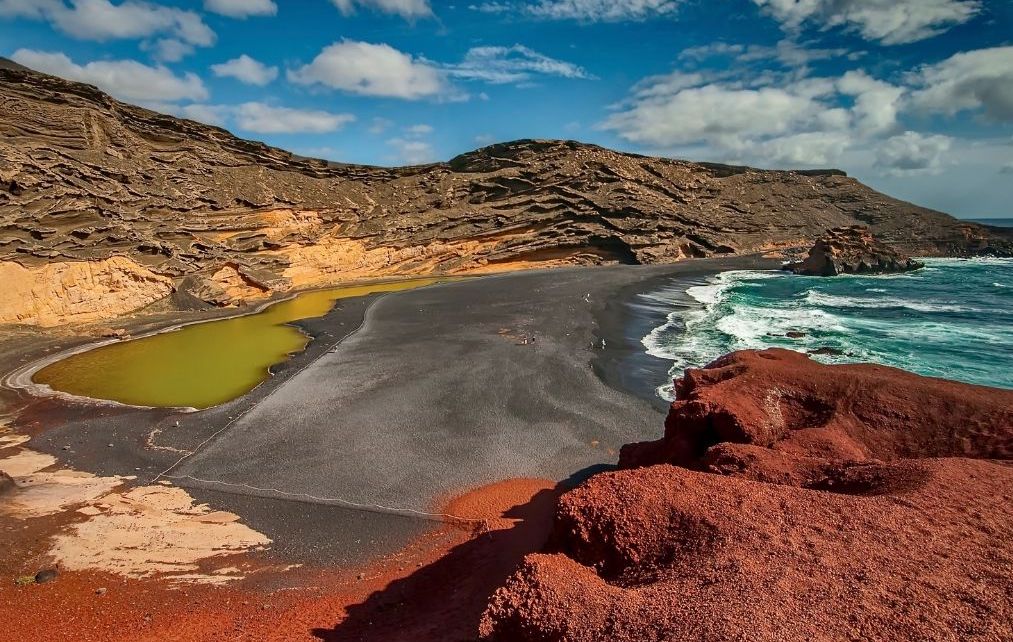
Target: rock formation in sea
{"type": "Point", "coordinates": [852, 250]}
{"type": "Point", "coordinates": [85, 178]}
{"type": "Point", "coordinates": [788, 500]}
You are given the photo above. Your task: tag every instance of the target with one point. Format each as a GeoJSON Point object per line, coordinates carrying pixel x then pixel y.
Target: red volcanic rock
{"type": "Point", "coordinates": [809, 502]}
{"type": "Point", "coordinates": [852, 250]}
{"type": "Point", "coordinates": [665, 553]}
{"type": "Point", "coordinates": [783, 400]}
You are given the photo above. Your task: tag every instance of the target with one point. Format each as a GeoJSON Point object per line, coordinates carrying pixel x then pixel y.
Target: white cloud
{"type": "Point", "coordinates": [209, 114]}
{"type": "Point", "coordinates": [263, 118]}
{"type": "Point", "coordinates": [168, 49]}
{"type": "Point", "coordinates": [407, 9]}
{"type": "Point", "coordinates": [980, 79]}
{"type": "Point", "coordinates": [241, 8]}
{"type": "Point", "coordinates": [379, 125]}
{"type": "Point", "coordinates": [518, 63]}
{"type": "Point", "coordinates": [765, 119]}
{"type": "Point", "coordinates": [671, 110]}
{"type": "Point", "coordinates": [246, 70]}
{"type": "Point", "coordinates": [811, 148]}
{"type": "Point", "coordinates": [599, 10]}
{"type": "Point", "coordinates": [124, 79]}
{"type": "Point", "coordinates": [876, 102]}
{"type": "Point", "coordinates": [412, 152]}
{"type": "Point", "coordinates": [102, 20]}
{"type": "Point", "coordinates": [370, 70]}
{"type": "Point", "coordinates": [419, 130]}
{"type": "Point", "coordinates": [891, 22]}
{"type": "Point", "coordinates": [267, 119]}
{"type": "Point", "coordinates": [912, 153]}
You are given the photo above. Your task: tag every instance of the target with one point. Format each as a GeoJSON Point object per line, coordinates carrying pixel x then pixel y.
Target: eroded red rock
{"type": "Point", "coordinates": [810, 502]}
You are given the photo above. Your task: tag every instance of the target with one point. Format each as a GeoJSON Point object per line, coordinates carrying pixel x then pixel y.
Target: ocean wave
{"type": "Point", "coordinates": [817, 298]}
{"type": "Point", "coordinates": [959, 325]}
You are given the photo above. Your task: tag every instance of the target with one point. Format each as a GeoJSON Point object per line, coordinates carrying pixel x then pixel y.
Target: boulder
{"type": "Point", "coordinates": [852, 250]}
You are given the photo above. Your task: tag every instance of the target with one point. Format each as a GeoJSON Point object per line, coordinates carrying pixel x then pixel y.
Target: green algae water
{"type": "Point", "coordinates": [203, 364]}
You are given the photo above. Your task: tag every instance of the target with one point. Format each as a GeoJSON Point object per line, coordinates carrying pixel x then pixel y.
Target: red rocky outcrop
{"type": "Point", "coordinates": [807, 502]}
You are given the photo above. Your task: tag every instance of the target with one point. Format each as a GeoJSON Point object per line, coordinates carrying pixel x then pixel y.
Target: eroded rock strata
{"type": "Point", "coordinates": [788, 500]}
{"type": "Point", "coordinates": [84, 178]}
{"type": "Point", "coordinates": [852, 250]}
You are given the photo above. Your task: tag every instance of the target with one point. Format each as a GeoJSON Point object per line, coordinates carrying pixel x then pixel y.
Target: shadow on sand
{"type": "Point", "coordinates": [445, 600]}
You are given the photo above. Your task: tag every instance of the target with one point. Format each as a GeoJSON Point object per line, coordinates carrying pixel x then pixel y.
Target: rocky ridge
{"type": "Point", "coordinates": [788, 500]}
{"type": "Point", "coordinates": [852, 250]}
{"type": "Point", "coordinates": [84, 178]}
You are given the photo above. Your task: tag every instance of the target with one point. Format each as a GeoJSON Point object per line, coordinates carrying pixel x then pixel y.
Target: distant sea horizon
{"type": "Point", "coordinates": [997, 222]}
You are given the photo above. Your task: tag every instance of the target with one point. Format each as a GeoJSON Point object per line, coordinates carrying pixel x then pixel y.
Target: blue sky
{"type": "Point", "coordinates": [914, 97]}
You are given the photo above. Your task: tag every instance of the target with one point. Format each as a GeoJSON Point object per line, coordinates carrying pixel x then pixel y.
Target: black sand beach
{"type": "Point", "coordinates": [401, 401]}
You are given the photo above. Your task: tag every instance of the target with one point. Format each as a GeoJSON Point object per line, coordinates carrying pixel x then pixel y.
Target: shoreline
{"type": "Point", "coordinates": [530, 396]}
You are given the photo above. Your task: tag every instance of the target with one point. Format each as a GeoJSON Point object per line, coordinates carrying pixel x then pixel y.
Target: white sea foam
{"type": "Point", "coordinates": [814, 297]}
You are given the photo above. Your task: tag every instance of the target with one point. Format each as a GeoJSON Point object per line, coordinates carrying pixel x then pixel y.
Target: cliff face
{"type": "Point", "coordinates": [84, 177]}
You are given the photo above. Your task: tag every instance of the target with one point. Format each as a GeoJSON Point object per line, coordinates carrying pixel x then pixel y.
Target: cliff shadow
{"type": "Point", "coordinates": [445, 600]}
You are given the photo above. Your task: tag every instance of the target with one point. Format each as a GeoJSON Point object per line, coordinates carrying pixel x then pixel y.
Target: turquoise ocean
{"type": "Point", "coordinates": [952, 319]}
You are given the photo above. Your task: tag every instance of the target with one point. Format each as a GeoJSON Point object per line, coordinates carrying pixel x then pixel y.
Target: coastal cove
{"type": "Point", "coordinates": [950, 319]}
{"type": "Point", "coordinates": [200, 365]}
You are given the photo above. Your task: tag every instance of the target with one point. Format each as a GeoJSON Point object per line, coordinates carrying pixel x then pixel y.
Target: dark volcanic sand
{"type": "Point", "coordinates": [437, 392]}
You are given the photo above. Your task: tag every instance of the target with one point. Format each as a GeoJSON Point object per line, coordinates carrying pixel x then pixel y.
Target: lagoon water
{"type": "Point", "coordinates": [203, 364]}
{"type": "Point", "coordinates": [952, 319]}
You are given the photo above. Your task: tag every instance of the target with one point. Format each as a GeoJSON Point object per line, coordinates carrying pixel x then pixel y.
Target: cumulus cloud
{"type": "Point", "coordinates": [407, 9]}
{"type": "Point", "coordinates": [419, 130]}
{"type": "Point", "coordinates": [241, 8]}
{"type": "Point", "coordinates": [972, 80]}
{"type": "Point", "coordinates": [876, 102]}
{"type": "Point", "coordinates": [125, 79]}
{"type": "Point", "coordinates": [677, 109]}
{"type": "Point", "coordinates": [771, 120]}
{"type": "Point", "coordinates": [247, 70]}
{"type": "Point", "coordinates": [168, 49]}
{"type": "Point", "coordinates": [500, 65]}
{"type": "Point", "coordinates": [102, 20]}
{"type": "Point", "coordinates": [370, 70]}
{"type": "Point", "coordinates": [267, 119]}
{"type": "Point", "coordinates": [912, 153]}
{"type": "Point", "coordinates": [412, 152]}
{"type": "Point", "coordinates": [600, 10]}
{"type": "Point", "coordinates": [891, 22]}
{"type": "Point", "coordinates": [263, 118]}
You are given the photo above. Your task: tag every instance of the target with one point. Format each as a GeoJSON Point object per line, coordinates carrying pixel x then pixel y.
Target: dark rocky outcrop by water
{"type": "Point", "coordinates": [852, 250]}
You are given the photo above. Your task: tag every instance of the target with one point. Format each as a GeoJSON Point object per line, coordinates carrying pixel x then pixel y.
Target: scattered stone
{"type": "Point", "coordinates": [794, 334]}
{"type": "Point", "coordinates": [826, 350]}
{"type": "Point", "coordinates": [45, 575]}
{"type": "Point", "coordinates": [101, 591]}
{"type": "Point", "coordinates": [6, 483]}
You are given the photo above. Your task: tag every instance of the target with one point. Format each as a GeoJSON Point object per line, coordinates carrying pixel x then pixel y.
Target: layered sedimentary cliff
{"type": "Point", "coordinates": [84, 177]}
{"type": "Point", "coordinates": [788, 500]}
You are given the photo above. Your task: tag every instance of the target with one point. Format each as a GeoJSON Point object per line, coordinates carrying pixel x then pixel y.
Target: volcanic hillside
{"type": "Point", "coordinates": [106, 207]}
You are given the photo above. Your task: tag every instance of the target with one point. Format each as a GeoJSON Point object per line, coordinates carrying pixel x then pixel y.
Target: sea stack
{"type": "Point", "coordinates": [852, 250]}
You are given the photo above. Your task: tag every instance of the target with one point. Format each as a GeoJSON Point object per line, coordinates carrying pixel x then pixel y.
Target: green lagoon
{"type": "Point", "coordinates": [203, 364]}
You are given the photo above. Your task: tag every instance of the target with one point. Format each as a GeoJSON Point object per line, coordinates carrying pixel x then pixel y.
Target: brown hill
{"type": "Point", "coordinates": [84, 178]}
